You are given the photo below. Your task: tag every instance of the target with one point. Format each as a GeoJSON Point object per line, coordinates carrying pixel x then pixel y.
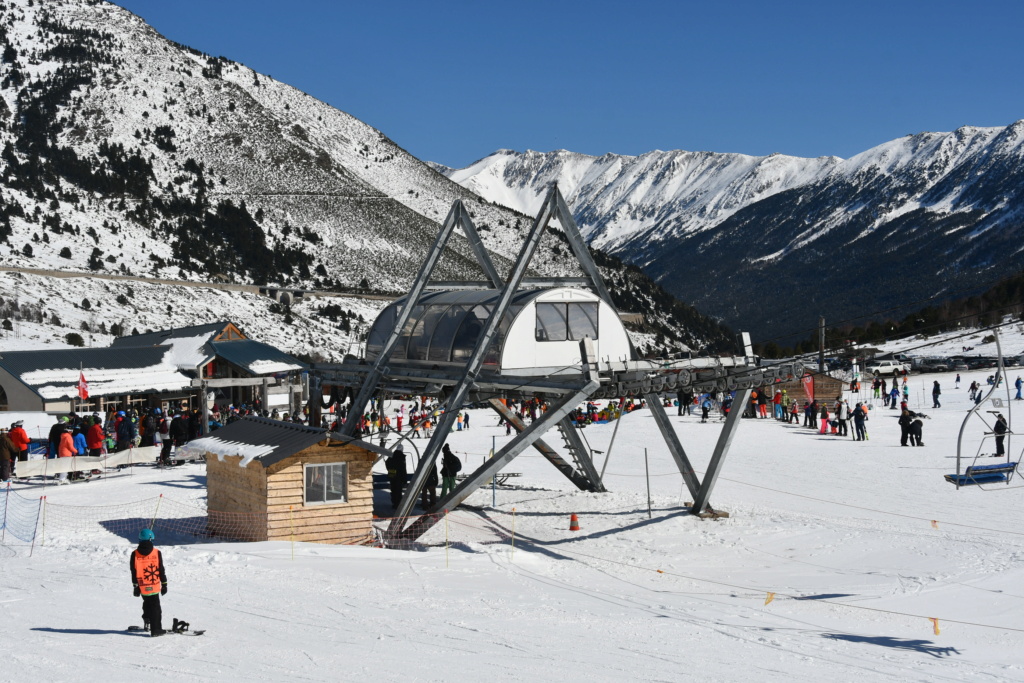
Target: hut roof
{"type": "Point", "coordinates": [258, 438]}
{"type": "Point", "coordinates": [255, 357]}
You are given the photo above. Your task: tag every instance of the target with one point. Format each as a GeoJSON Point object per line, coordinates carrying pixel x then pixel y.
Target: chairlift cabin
{"type": "Point", "coordinates": [539, 334]}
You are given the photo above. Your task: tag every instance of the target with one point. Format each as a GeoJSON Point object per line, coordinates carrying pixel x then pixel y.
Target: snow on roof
{"type": "Point", "coordinates": [53, 374]}
{"type": "Point", "coordinates": [59, 383]}
{"type": "Point", "coordinates": [269, 367]}
{"type": "Point", "coordinates": [221, 447]}
{"type": "Point", "coordinates": [257, 438]}
{"type": "Point", "coordinates": [188, 353]}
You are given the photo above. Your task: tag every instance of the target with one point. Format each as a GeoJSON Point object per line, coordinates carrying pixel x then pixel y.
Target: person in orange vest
{"type": "Point", "coordinates": [149, 580]}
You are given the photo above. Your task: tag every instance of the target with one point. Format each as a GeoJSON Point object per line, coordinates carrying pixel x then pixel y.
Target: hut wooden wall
{"type": "Point", "coordinates": [333, 523]}
{"type": "Point", "coordinates": [236, 498]}
{"type": "Point", "coordinates": [825, 388]}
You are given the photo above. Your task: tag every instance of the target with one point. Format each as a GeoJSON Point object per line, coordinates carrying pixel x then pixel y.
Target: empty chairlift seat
{"type": "Point", "coordinates": [983, 474]}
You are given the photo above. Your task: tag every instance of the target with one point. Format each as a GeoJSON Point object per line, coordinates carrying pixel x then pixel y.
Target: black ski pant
{"type": "Point", "coordinates": [165, 452]}
{"type": "Point", "coordinates": [842, 428]}
{"type": "Point", "coordinates": [151, 612]}
{"type": "Point", "coordinates": [396, 491]}
{"type": "Point", "coordinates": [904, 434]}
{"type": "Point", "coordinates": [1000, 450]}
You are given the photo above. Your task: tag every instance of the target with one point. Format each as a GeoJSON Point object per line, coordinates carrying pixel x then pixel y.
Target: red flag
{"type": "Point", "coordinates": [83, 386]}
{"type": "Point", "coordinates": [808, 380]}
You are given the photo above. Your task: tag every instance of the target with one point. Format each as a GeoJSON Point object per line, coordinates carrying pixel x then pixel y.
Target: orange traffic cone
{"type": "Point", "coordinates": [574, 523]}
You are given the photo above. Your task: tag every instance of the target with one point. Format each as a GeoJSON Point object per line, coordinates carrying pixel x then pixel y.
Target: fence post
{"type": "Point", "coordinates": [35, 529]}
{"type": "Point", "coordinates": [446, 539]}
{"type": "Point", "coordinates": [42, 538]}
{"type": "Point", "coordinates": [156, 512]}
{"type": "Point", "coordinates": [291, 524]}
{"type": "Point", "coordinates": [3, 527]}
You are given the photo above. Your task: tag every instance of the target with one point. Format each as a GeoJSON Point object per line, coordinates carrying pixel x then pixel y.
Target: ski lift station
{"type": "Point", "coordinates": [516, 336]}
{"type": "Point", "coordinates": [539, 333]}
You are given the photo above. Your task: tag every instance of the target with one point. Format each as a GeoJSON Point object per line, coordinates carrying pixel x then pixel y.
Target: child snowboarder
{"type": "Point", "coordinates": [149, 580]}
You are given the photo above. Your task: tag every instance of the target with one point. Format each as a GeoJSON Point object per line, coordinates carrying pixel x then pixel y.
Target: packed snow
{"type": "Point", "coordinates": [841, 532]}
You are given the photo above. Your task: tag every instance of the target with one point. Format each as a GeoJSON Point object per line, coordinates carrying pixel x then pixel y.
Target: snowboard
{"type": "Point", "coordinates": [191, 632]}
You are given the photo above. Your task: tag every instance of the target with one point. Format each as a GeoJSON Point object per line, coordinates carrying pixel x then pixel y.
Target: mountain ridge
{"type": "Point", "coordinates": [717, 229]}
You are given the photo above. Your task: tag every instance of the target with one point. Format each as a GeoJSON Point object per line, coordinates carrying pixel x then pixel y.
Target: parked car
{"type": "Point", "coordinates": [933, 365]}
{"type": "Point", "coordinates": [887, 367]}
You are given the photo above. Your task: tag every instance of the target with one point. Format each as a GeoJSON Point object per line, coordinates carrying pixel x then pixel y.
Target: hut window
{"type": "Point", "coordinates": [326, 483]}
{"type": "Point", "coordinates": [561, 322]}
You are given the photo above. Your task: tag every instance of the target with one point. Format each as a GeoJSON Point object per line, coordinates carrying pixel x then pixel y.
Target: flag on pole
{"type": "Point", "coordinates": [808, 382]}
{"type": "Point", "coordinates": [83, 386]}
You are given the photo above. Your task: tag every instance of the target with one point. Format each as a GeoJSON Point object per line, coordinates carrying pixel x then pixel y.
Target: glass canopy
{"type": "Point", "coordinates": [444, 326]}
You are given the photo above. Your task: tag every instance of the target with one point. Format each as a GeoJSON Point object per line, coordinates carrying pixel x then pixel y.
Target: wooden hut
{"type": "Point", "coordinates": [272, 480]}
{"type": "Point", "coordinates": [825, 388]}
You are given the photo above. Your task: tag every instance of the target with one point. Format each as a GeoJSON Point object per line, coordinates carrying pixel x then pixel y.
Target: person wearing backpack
{"type": "Point", "coordinates": [450, 466]}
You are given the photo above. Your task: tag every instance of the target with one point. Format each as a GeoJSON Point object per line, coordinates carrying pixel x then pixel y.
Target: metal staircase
{"type": "Point", "coordinates": [584, 465]}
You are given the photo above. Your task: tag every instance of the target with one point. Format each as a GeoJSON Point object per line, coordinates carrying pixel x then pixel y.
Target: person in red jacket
{"type": "Point", "coordinates": [149, 581]}
{"type": "Point", "coordinates": [19, 437]}
{"type": "Point", "coordinates": [94, 437]}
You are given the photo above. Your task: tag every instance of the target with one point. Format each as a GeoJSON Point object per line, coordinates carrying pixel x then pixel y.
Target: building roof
{"type": "Point", "coordinates": [53, 373]}
{"type": "Point", "coordinates": [160, 337]}
{"type": "Point", "coordinates": [258, 438]}
{"type": "Point", "coordinates": [255, 357]}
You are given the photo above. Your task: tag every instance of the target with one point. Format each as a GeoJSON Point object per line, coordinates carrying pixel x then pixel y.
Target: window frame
{"type": "Point", "coordinates": [569, 334]}
{"type": "Point", "coordinates": [324, 465]}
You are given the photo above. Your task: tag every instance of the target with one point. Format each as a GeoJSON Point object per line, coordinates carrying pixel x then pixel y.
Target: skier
{"type": "Point", "coordinates": [149, 580]}
{"type": "Point", "coordinates": [1000, 430]}
{"type": "Point", "coordinates": [957, 385]}
{"type": "Point", "coordinates": [894, 397]}
{"type": "Point", "coordinates": [824, 418]}
{"type": "Point", "coordinates": [450, 466]}
{"type": "Point", "coordinates": [936, 392]}
{"type": "Point", "coordinates": [19, 437]}
{"type": "Point", "coordinates": [906, 417]}
{"type": "Point", "coordinates": [8, 455]}
{"type": "Point", "coordinates": [705, 408]}
{"type": "Point", "coordinates": [397, 475]}
{"type": "Point", "coordinates": [859, 417]}
{"type": "Point", "coordinates": [1019, 384]}
{"type": "Point", "coordinates": [915, 430]}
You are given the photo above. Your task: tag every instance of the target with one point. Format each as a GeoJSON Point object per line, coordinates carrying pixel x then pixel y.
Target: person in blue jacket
{"type": "Point", "coordinates": [1019, 383]}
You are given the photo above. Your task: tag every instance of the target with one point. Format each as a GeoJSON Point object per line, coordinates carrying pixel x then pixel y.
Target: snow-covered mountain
{"type": "Point", "coordinates": [126, 152]}
{"type": "Point", "coordinates": [769, 243]}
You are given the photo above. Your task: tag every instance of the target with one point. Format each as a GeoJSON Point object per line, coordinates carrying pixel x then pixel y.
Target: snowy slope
{"type": "Point", "coordinates": [49, 309]}
{"type": "Point", "coordinates": [947, 203]}
{"type": "Point", "coordinates": [844, 526]}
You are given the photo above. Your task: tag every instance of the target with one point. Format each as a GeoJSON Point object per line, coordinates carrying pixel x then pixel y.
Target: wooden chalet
{"type": "Point", "coordinates": [296, 482]}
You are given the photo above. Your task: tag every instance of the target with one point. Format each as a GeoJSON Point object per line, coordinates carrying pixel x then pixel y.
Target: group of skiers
{"type": "Point", "coordinates": [398, 476]}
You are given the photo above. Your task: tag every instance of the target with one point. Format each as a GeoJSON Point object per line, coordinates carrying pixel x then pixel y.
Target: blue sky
{"type": "Point", "coordinates": [453, 81]}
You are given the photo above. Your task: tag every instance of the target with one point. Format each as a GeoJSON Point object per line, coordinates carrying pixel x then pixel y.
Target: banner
{"type": "Point", "coordinates": [808, 380]}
